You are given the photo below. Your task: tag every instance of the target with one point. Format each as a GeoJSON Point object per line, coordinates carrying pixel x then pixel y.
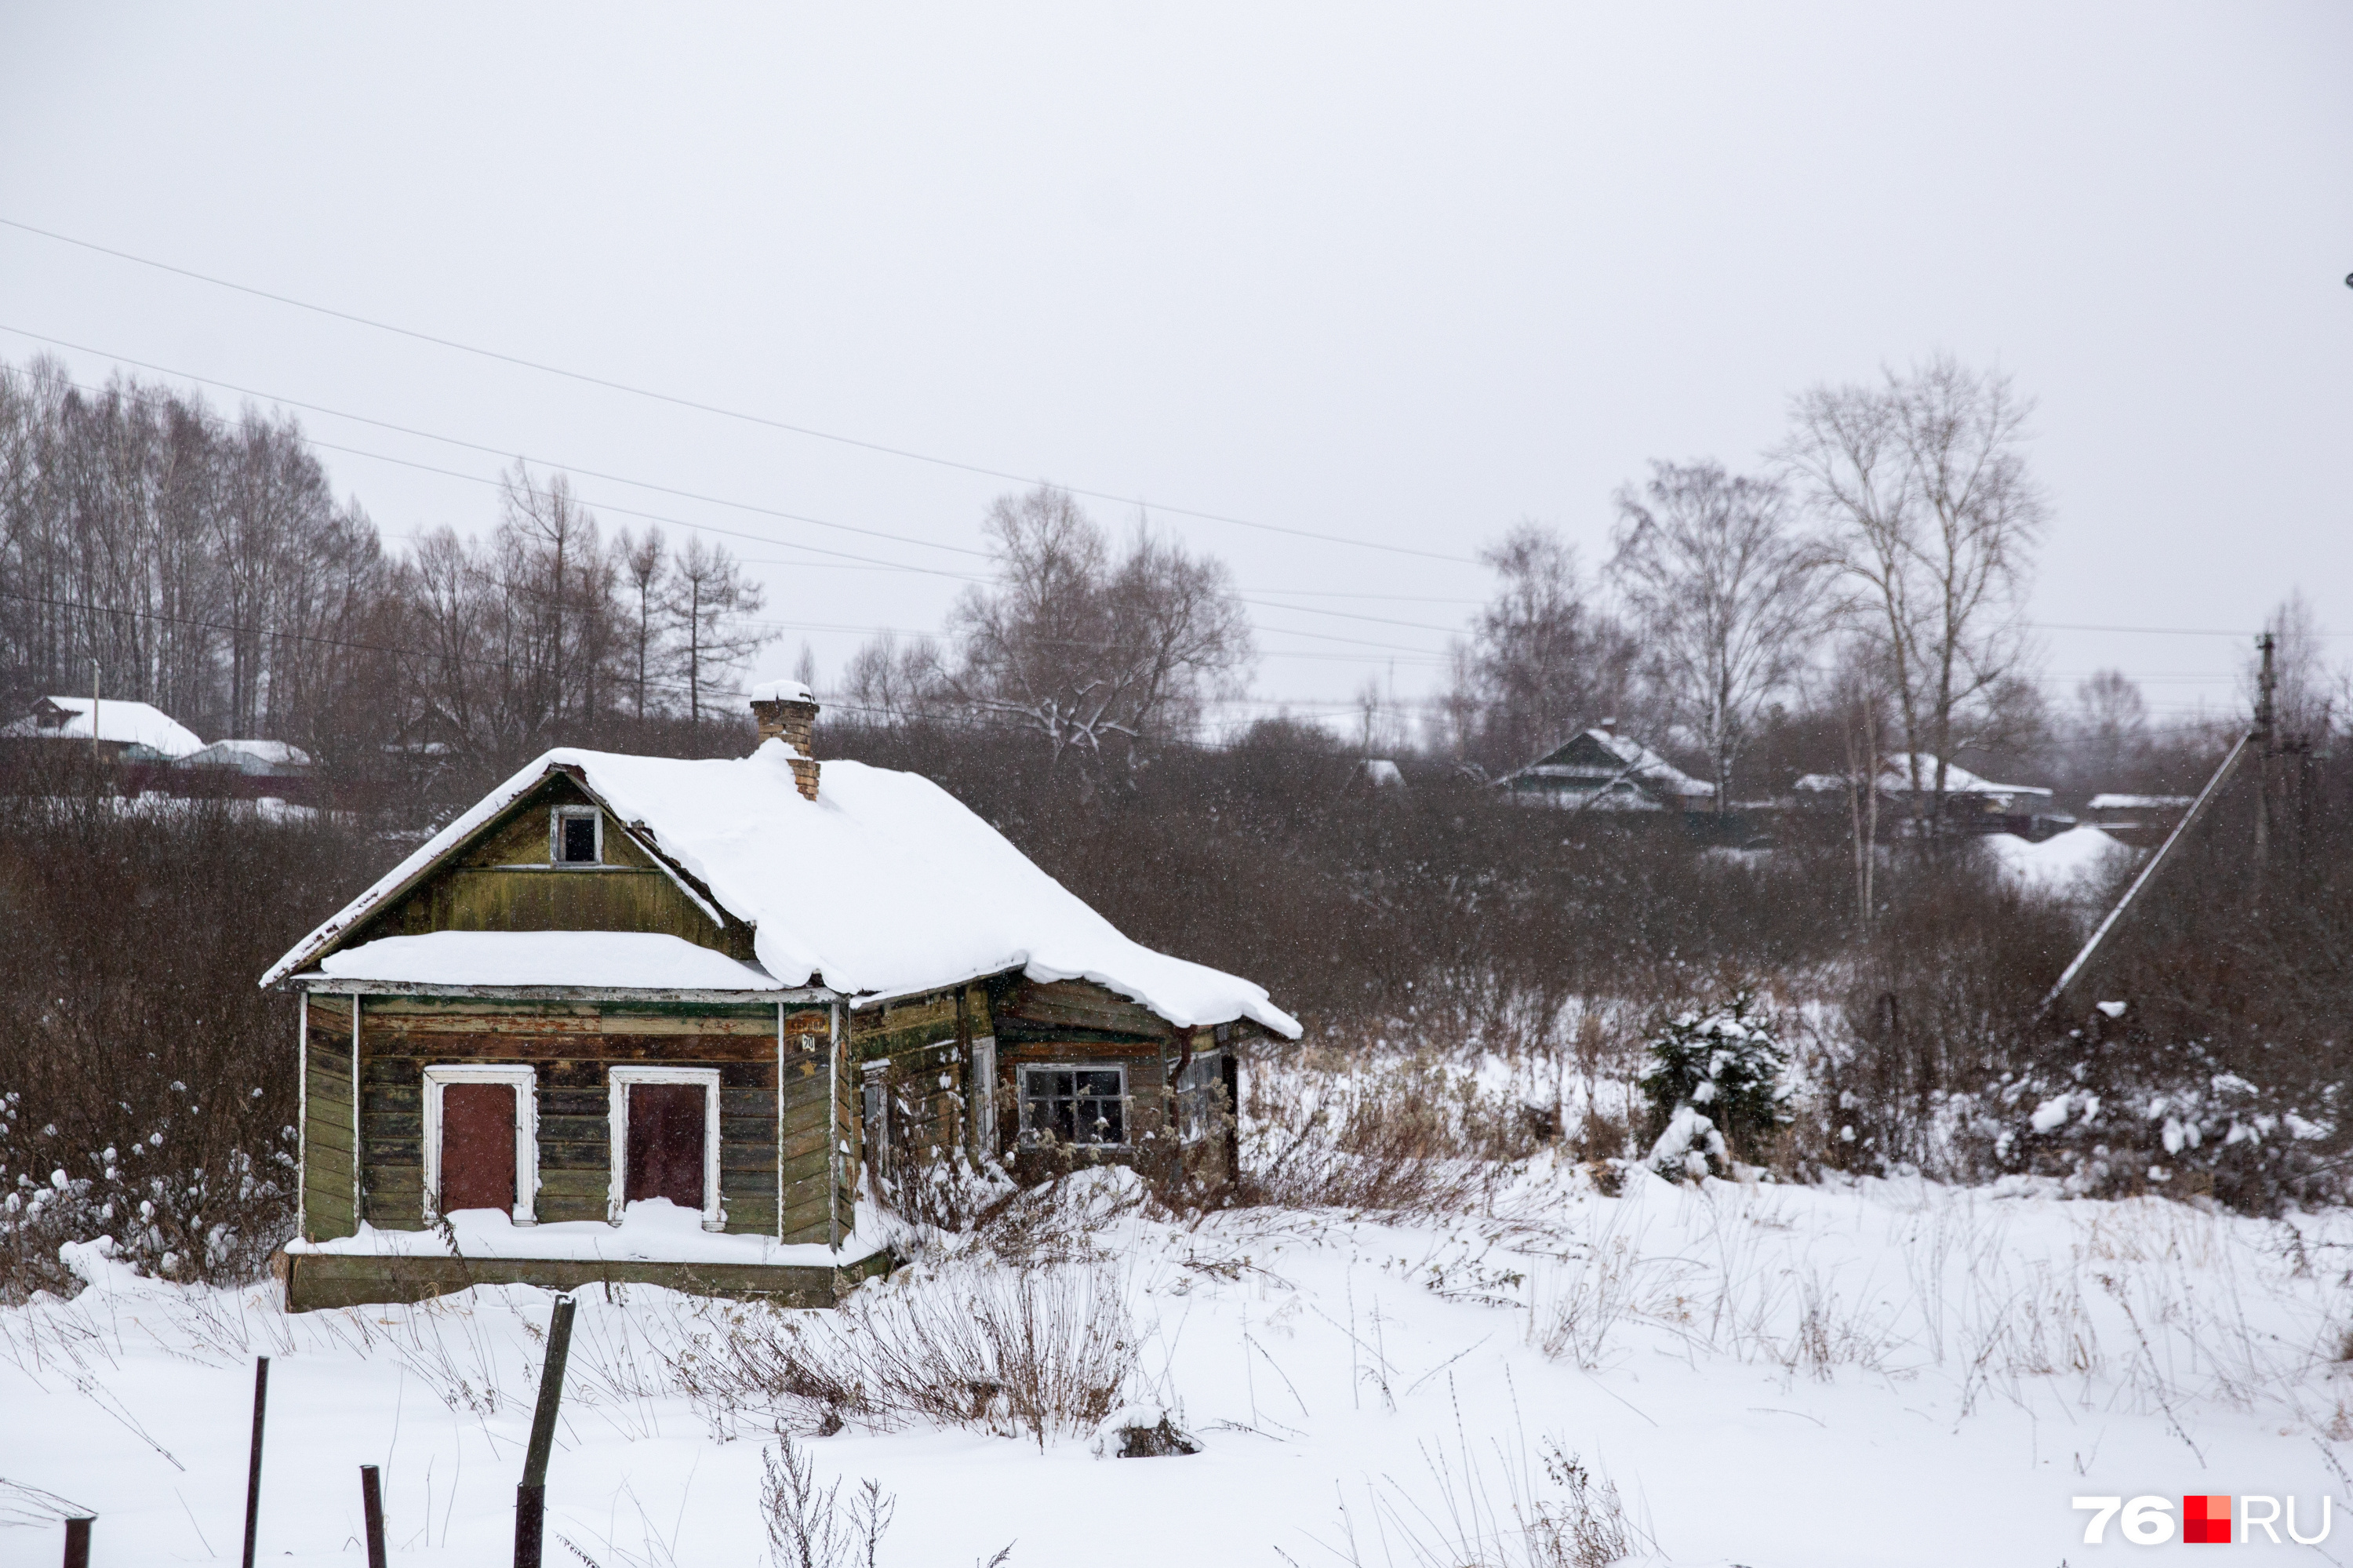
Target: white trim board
{"type": "Point", "coordinates": [525, 1084]}
{"type": "Point", "coordinates": [714, 1213]}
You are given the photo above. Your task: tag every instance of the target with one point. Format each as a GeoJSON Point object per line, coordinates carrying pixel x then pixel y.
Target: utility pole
{"type": "Point", "coordinates": [2267, 745]}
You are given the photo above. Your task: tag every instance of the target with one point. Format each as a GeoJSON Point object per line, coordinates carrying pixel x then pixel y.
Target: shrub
{"type": "Point", "coordinates": [1714, 1085]}
{"type": "Point", "coordinates": [2115, 1109]}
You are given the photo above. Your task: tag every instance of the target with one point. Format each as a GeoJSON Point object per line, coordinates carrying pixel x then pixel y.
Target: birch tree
{"type": "Point", "coordinates": [1724, 593]}
{"type": "Point", "coordinates": [1930, 514]}
{"type": "Point", "coordinates": [1091, 652]}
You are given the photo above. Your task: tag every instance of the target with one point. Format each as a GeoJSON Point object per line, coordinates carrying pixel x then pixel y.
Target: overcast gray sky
{"type": "Point", "coordinates": [1396, 276]}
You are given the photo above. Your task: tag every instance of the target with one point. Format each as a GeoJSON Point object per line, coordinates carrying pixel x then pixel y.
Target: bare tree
{"type": "Point", "coordinates": [1088, 651]}
{"type": "Point", "coordinates": [644, 579]}
{"type": "Point", "coordinates": [1543, 660]}
{"type": "Point", "coordinates": [1724, 593]}
{"type": "Point", "coordinates": [2111, 726]}
{"type": "Point", "coordinates": [710, 603]}
{"type": "Point", "coordinates": [1929, 513]}
{"type": "Point", "coordinates": [893, 683]}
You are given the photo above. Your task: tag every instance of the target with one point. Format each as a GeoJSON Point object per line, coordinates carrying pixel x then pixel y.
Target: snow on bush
{"type": "Point", "coordinates": [1714, 1087]}
{"type": "Point", "coordinates": [2112, 1111]}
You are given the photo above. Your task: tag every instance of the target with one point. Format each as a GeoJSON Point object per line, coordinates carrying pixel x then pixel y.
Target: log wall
{"type": "Point", "coordinates": [774, 1117]}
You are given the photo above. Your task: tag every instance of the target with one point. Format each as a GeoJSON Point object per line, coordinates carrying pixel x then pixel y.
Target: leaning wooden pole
{"type": "Point", "coordinates": [253, 1463]}
{"type": "Point", "coordinates": [531, 1498]}
{"type": "Point", "coordinates": [2181, 828]}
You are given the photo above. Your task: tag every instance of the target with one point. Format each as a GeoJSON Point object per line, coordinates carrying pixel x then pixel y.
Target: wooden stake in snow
{"type": "Point", "coordinates": [372, 1512]}
{"type": "Point", "coordinates": [531, 1498]}
{"type": "Point", "coordinates": [253, 1467]}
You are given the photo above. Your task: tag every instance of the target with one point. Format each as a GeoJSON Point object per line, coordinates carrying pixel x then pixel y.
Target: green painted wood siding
{"type": "Point", "coordinates": [327, 1150]}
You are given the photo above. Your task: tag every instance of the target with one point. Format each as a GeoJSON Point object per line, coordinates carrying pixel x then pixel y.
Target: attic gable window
{"type": "Point", "coordinates": [576, 836]}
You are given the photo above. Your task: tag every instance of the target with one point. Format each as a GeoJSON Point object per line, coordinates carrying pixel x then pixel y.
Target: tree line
{"type": "Point", "coordinates": [170, 554]}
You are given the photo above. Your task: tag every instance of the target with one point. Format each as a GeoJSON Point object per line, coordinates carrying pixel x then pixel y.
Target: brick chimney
{"type": "Point", "coordinates": [787, 712]}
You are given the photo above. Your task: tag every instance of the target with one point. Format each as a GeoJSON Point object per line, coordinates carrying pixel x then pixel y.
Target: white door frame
{"type": "Point", "coordinates": [525, 1081]}
{"type": "Point", "coordinates": [714, 1213]}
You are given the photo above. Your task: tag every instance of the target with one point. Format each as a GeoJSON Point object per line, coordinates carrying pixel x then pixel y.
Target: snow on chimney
{"type": "Point", "coordinates": [786, 710]}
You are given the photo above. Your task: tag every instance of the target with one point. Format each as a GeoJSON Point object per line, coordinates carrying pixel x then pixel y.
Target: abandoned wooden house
{"type": "Point", "coordinates": [633, 1018]}
{"type": "Point", "coordinates": [1596, 770]}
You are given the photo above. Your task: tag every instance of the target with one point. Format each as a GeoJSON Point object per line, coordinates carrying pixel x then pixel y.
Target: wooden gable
{"type": "Point", "coordinates": [504, 877]}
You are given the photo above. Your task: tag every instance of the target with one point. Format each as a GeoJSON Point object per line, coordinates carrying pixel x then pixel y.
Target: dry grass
{"type": "Point", "coordinates": [1368, 1130]}
{"type": "Point", "coordinates": [1039, 1353]}
{"type": "Point", "coordinates": [1502, 1509]}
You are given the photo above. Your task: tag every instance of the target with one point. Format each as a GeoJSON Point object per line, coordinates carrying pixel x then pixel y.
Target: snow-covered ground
{"type": "Point", "coordinates": [1887, 1372]}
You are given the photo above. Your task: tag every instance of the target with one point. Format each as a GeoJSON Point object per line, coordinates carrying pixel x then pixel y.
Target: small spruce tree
{"type": "Point", "coordinates": [1714, 1086]}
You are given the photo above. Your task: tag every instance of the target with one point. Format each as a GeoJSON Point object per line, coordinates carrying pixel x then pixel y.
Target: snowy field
{"type": "Point", "coordinates": [1872, 1374]}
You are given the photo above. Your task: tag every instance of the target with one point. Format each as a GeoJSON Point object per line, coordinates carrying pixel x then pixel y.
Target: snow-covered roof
{"type": "Point", "coordinates": [2059, 864]}
{"type": "Point", "coordinates": [2139, 802]}
{"type": "Point", "coordinates": [622, 959]}
{"type": "Point", "coordinates": [248, 753]}
{"type": "Point", "coordinates": [1381, 773]}
{"type": "Point", "coordinates": [885, 886]}
{"type": "Point", "coordinates": [1635, 761]}
{"type": "Point", "coordinates": [133, 724]}
{"type": "Point", "coordinates": [1895, 779]}
{"type": "Point", "coordinates": [1819, 784]}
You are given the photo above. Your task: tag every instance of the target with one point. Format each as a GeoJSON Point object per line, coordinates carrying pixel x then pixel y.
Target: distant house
{"type": "Point", "coordinates": [1373, 776]}
{"type": "Point", "coordinates": [251, 768]}
{"type": "Point", "coordinates": [2138, 818]}
{"type": "Point", "coordinates": [643, 1019]}
{"type": "Point", "coordinates": [126, 732]}
{"type": "Point", "coordinates": [1972, 804]}
{"type": "Point", "coordinates": [1604, 772]}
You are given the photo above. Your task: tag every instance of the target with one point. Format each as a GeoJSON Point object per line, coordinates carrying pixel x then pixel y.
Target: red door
{"type": "Point", "coordinates": [478, 1147]}
{"type": "Point", "coordinates": [665, 1153]}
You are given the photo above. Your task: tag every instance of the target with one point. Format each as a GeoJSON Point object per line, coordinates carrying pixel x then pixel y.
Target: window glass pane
{"type": "Point", "coordinates": [580, 839]}
{"type": "Point", "coordinates": [1101, 1081]}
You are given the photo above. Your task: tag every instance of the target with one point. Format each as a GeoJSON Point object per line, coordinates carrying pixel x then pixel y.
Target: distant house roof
{"type": "Point", "coordinates": [1380, 773]}
{"type": "Point", "coordinates": [2140, 802]}
{"type": "Point", "coordinates": [885, 886]}
{"type": "Point", "coordinates": [1616, 772]}
{"type": "Point", "coordinates": [122, 723]}
{"type": "Point", "coordinates": [1895, 779]}
{"type": "Point", "coordinates": [249, 757]}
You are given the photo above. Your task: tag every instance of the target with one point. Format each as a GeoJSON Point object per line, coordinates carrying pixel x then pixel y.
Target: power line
{"type": "Point", "coordinates": [479, 447]}
{"type": "Point", "coordinates": [619, 479]}
{"type": "Point", "coordinates": [588, 379]}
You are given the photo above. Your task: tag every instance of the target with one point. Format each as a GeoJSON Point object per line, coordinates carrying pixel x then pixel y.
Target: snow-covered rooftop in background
{"type": "Point", "coordinates": [131, 724]}
{"type": "Point", "coordinates": [2071, 862]}
{"type": "Point", "coordinates": [2139, 802]}
{"type": "Point", "coordinates": [239, 753]}
{"type": "Point", "coordinates": [1635, 762]}
{"type": "Point", "coordinates": [1896, 778]}
{"type": "Point", "coordinates": [621, 958]}
{"type": "Point", "coordinates": [885, 886]}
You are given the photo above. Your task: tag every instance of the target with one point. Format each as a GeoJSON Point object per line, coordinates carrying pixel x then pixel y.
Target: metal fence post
{"type": "Point", "coordinates": [253, 1469]}
{"type": "Point", "coordinates": [371, 1510]}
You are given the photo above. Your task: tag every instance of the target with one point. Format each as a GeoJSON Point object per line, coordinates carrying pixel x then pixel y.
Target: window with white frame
{"type": "Point", "coordinates": [665, 1130]}
{"type": "Point", "coordinates": [1075, 1104]}
{"type": "Point", "coordinates": [481, 1140]}
{"type": "Point", "coordinates": [575, 836]}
